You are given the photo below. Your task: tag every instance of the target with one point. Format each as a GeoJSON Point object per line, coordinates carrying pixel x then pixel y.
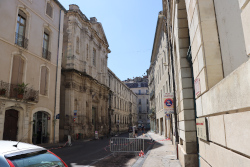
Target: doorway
{"type": "Point", "coordinates": [10, 125]}
{"type": "Point", "coordinates": [40, 128]}
{"type": "Point", "coordinates": [94, 117]}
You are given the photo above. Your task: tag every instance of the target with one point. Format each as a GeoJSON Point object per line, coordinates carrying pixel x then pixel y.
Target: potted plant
{"type": "Point", "coordinates": [20, 90]}
{"type": "Point", "coordinates": [2, 91]}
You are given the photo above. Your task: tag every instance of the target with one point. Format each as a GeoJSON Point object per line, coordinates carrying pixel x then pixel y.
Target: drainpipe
{"type": "Point", "coordinates": [175, 113]}
{"type": "Point", "coordinates": [56, 76]}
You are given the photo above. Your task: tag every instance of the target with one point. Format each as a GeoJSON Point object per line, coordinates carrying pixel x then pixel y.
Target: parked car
{"type": "Point", "coordinates": [27, 155]}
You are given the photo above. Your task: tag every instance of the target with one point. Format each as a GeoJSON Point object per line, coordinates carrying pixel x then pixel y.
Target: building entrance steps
{"type": "Point", "coordinates": [163, 153]}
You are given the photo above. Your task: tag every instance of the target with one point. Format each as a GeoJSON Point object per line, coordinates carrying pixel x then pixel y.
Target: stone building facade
{"type": "Point", "coordinates": [30, 61]}
{"type": "Point", "coordinates": [84, 90]}
{"type": "Point", "coordinates": [139, 86]}
{"type": "Point", "coordinates": [152, 105]}
{"type": "Point", "coordinates": [207, 46]}
{"type": "Point", "coordinates": [123, 104]}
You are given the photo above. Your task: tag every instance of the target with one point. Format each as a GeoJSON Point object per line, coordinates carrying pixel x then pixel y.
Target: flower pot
{"type": "Point", "coordinates": [20, 96]}
{"type": "Point", "coordinates": [2, 92]}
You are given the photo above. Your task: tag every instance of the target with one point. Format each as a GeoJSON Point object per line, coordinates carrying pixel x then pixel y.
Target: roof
{"type": "Point", "coordinates": [7, 147]}
{"type": "Point", "coordinates": [136, 85]}
{"type": "Point", "coordinates": [60, 5]}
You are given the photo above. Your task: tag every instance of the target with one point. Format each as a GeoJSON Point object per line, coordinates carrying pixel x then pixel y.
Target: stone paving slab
{"type": "Point", "coordinates": [162, 154]}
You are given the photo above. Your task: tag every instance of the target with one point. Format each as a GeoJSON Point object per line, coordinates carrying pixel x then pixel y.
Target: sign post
{"type": "Point", "coordinates": [168, 102]}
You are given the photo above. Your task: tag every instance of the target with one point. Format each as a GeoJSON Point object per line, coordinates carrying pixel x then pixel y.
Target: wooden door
{"type": "Point", "coordinates": [10, 125]}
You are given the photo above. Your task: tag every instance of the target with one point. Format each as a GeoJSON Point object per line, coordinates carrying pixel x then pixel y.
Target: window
{"type": "Point", "coordinates": [17, 70]}
{"type": "Point", "coordinates": [20, 39]}
{"type": "Point", "coordinates": [139, 101]}
{"type": "Point", "coordinates": [49, 10]}
{"type": "Point", "coordinates": [139, 117]}
{"type": "Point", "coordinates": [94, 57]}
{"type": "Point", "coordinates": [46, 52]}
{"type": "Point", "coordinates": [139, 109]}
{"type": "Point", "coordinates": [77, 45]}
{"type": "Point", "coordinates": [44, 81]}
{"type": "Point", "coordinates": [139, 92]}
{"type": "Point", "coordinates": [147, 109]}
{"type": "Point", "coordinates": [147, 101]}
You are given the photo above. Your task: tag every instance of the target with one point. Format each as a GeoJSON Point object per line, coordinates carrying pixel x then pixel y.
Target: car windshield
{"type": "Point", "coordinates": [38, 159]}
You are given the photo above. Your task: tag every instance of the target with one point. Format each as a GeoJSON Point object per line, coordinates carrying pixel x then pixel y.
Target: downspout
{"type": "Point", "coordinates": [57, 75]}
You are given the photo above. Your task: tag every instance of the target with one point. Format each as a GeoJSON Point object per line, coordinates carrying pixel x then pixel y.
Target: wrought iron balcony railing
{"type": "Point", "coordinates": [14, 91]}
{"type": "Point", "coordinates": [46, 54]}
{"type": "Point", "coordinates": [21, 41]}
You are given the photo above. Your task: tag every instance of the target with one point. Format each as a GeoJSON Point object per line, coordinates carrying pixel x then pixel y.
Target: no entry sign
{"type": "Point", "coordinates": [168, 103]}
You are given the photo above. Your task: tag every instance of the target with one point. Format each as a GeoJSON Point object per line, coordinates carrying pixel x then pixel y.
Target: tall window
{"type": "Point", "coordinates": [139, 101]}
{"type": "Point", "coordinates": [20, 29]}
{"type": "Point", "coordinates": [44, 81]}
{"type": "Point", "coordinates": [139, 109]}
{"type": "Point", "coordinates": [46, 52]}
{"type": "Point", "coordinates": [49, 10]}
{"type": "Point", "coordinates": [147, 101]}
{"type": "Point", "coordinates": [139, 92]}
{"type": "Point", "coordinates": [94, 57]}
{"type": "Point", "coordinates": [17, 70]}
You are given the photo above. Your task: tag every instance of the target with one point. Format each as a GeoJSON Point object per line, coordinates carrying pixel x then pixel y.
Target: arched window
{"type": "Point", "coordinates": [44, 81]}
{"type": "Point", "coordinates": [20, 39]}
{"type": "Point", "coordinates": [46, 40]}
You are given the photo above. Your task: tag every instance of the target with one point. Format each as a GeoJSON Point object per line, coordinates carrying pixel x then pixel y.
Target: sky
{"type": "Point", "coordinates": [129, 26]}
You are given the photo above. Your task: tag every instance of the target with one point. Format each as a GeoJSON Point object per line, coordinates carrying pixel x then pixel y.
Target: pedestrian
{"type": "Point", "coordinates": [136, 132]}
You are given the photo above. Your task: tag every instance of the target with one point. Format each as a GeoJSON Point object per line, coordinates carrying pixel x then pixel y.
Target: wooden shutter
{"type": "Point", "coordinates": [43, 83]}
{"type": "Point", "coordinates": [49, 10]}
{"type": "Point", "coordinates": [17, 70]}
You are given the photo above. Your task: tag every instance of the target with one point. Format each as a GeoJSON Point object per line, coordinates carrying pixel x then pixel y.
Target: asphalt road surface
{"type": "Point", "coordinates": [96, 152]}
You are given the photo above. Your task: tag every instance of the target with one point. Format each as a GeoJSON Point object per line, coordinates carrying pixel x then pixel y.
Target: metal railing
{"type": "Point", "coordinates": [46, 54]}
{"type": "Point", "coordinates": [11, 91]}
{"type": "Point", "coordinates": [121, 144]}
{"type": "Point", "coordinates": [21, 40]}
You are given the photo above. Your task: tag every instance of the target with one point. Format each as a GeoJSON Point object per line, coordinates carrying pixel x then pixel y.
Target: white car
{"type": "Point", "coordinates": [27, 155]}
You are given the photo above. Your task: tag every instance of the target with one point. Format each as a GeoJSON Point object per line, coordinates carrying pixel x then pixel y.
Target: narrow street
{"type": "Point", "coordinates": [98, 152]}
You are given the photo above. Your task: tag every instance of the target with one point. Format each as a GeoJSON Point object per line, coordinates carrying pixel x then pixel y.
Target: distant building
{"type": "Point", "coordinates": [122, 104]}
{"type": "Point", "coordinates": [139, 86]}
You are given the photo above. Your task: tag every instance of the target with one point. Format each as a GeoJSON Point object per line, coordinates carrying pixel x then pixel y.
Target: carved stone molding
{"type": "Point", "coordinates": [28, 110]}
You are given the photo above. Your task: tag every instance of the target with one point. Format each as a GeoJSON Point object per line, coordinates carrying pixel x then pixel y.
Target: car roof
{"type": "Point", "coordinates": [6, 147]}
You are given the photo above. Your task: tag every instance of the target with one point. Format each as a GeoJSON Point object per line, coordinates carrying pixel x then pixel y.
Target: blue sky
{"type": "Point", "coordinates": [129, 26]}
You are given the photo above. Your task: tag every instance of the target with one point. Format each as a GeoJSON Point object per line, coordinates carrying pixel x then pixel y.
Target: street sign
{"type": "Point", "coordinates": [96, 134]}
{"type": "Point", "coordinates": [75, 113]}
{"type": "Point", "coordinates": [168, 102]}
{"type": "Point", "coordinates": [201, 126]}
{"type": "Point", "coordinates": [197, 87]}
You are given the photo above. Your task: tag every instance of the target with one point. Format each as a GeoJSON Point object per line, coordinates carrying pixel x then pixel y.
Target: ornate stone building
{"type": "Point", "coordinates": [84, 90]}
{"type": "Point", "coordinates": [139, 86]}
{"type": "Point", "coordinates": [123, 106]}
{"type": "Point", "coordinates": [31, 39]}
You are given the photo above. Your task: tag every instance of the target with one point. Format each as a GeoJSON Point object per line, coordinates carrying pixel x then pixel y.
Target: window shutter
{"type": "Point", "coordinates": [17, 70]}
{"type": "Point", "coordinates": [43, 81]}
{"type": "Point", "coordinates": [49, 10]}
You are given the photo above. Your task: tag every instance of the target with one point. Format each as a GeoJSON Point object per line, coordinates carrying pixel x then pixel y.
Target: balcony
{"type": "Point", "coordinates": [21, 41]}
{"type": "Point", "coordinates": [18, 92]}
{"type": "Point", "coordinates": [46, 54]}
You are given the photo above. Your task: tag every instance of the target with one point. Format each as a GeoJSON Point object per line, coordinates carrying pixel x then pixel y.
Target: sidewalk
{"type": "Point", "coordinates": [162, 154]}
